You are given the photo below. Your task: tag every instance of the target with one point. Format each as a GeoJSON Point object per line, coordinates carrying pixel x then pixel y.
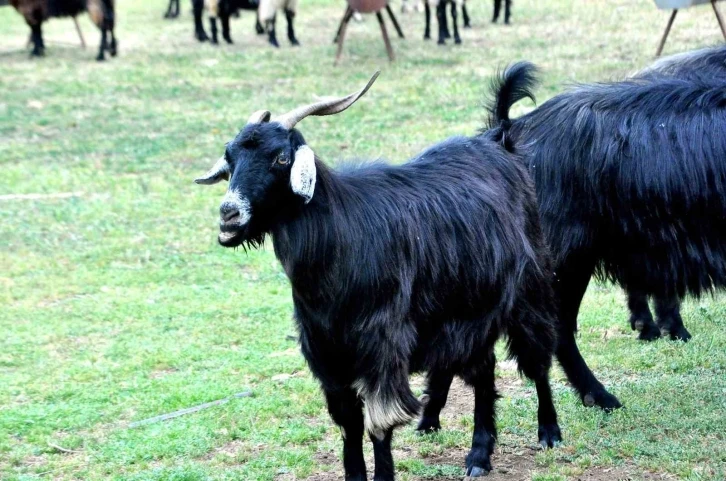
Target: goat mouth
{"type": "Point", "coordinates": [230, 238]}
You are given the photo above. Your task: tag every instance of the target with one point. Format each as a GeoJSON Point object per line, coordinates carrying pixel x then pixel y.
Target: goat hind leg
{"type": "Point", "coordinates": [427, 29]}
{"type": "Point", "coordinates": [290, 16]}
{"type": "Point", "coordinates": [224, 19]}
{"type": "Point", "coordinates": [573, 277]}
{"type": "Point", "coordinates": [271, 35]}
{"type": "Point", "coordinates": [441, 16]}
{"type": "Point", "coordinates": [104, 45]}
{"type": "Point", "coordinates": [438, 383]}
{"type": "Point", "coordinates": [641, 319]}
{"type": "Point", "coordinates": [668, 314]}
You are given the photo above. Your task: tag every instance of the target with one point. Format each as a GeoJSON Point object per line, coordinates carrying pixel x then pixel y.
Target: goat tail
{"type": "Point", "coordinates": [508, 87]}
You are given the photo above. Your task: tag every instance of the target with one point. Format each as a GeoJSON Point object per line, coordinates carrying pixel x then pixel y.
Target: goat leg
{"type": "Point", "coordinates": [290, 16]}
{"type": "Point", "coordinates": [457, 38]}
{"type": "Point", "coordinates": [346, 410]}
{"type": "Point", "coordinates": [427, 31]}
{"type": "Point", "coordinates": [641, 319]}
{"type": "Point", "coordinates": [438, 383]}
{"type": "Point", "coordinates": [224, 19]}
{"type": "Point", "coordinates": [271, 36]}
{"type": "Point", "coordinates": [667, 310]}
{"type": "Point", "coordinates": [384, 470]}
{"type": "Point", "coordinates": [478, 461]}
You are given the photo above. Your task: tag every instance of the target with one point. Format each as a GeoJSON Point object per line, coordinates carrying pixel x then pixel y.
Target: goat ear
{"type": "Point", "coordinates": [303, 173]}
{"type": "Point", "coordinates": [218, 172]}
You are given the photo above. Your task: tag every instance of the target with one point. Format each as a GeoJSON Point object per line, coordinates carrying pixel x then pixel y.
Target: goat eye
{"type": "Point", "coordinates": [282, 159]}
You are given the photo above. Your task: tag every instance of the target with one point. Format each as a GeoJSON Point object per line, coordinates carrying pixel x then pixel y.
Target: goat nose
{"type": "Point", "coordinates": [228, 212]}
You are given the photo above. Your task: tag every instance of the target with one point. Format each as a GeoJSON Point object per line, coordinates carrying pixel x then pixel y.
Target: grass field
{"type": "Point", "coordinates": [117, 304]}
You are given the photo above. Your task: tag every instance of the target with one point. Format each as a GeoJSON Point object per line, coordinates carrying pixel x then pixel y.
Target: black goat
{"type": "Point", "coordinates": [35, 12]}
{"type": "Point", "coordinates": [703, 63]}
{"type": "Point", "coordinates": [631, 186]}
{"type": "Point", "coordinates": [396, 269]}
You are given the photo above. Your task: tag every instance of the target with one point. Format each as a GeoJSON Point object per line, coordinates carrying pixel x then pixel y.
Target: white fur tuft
{"type": "Point", "coordinates": [380, 415]}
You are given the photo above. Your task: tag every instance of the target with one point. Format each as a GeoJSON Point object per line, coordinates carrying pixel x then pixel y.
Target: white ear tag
{"type": "Point", "coordinates": [303, 173]}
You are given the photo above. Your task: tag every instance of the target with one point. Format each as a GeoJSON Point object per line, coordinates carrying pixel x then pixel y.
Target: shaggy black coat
{"type": "Point", "coordinates": [422, 267]}
{"type": "Point", "coordinates": [397, 269]}
{"type": "Point", "coordinates": [707, 64]}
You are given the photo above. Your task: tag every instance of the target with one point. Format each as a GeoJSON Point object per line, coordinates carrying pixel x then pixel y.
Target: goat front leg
{"type": "Point", "coordinates": [198, 10]}
{"type": "Point", "coordinates": [290, 16]}
{"type": "Point", "coordinates": [668, 313]}
{"type": "Point", "coordinates": [507, 11]}
{"type": "Point", "coordinates": [258, 25]}
{"type": "Point", "coordinates": [213, 30]}
{"type": "Point", "coordinates": [641, 319]}
{"type": "Point", "coordinates": [384, 470]}
{"type": "Point", "coordinates": [438, 383]}
{"type": "Point", "coordinates": [346, 410]}
{"type": "Point", "coordinates": [478, 461]}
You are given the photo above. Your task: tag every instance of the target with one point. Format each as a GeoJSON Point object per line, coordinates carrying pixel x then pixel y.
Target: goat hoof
{"type": "Point", "coordinates": [457, 41]}
{"type": "Point", "coordinates": [602, 399]}
{"type": "Point", "coordinates": [648, 332]}
{"type": "Point", "coordinates": [100, 59]}
{"type": "Point", "coordinates": [428, 425]}
{"type": "Point", "coordinates": [549, 435]}
{"type": "Point", "coordinates": [441, 42]}
{"type": "Point", "coordinates": [467, 25]}
{"type": "Point", "coordinates": [476, 472]}
{"type": "Point", "coordinates": [681, 334]}
{"type": "Point", "coordinates": [229, 41]}
{"type": "Point", "coordinates": [294, 42]}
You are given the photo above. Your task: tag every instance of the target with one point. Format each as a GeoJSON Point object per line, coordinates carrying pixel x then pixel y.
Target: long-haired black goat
{"type": "Point", "coordinates": [707, 63]}
{"type": "Point", "coordinates": [102, 12]}
{"type": "Point", "coordinates": [631, 186]}
{"type": "Point", "coordinates": [396, 269]}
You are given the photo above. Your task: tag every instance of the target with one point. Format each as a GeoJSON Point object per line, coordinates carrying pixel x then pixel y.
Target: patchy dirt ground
{"type": "Point", "coordinates": [510, 463]}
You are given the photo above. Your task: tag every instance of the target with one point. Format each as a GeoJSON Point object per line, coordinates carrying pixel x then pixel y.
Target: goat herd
{"type": "Point", "coordinates": [424, 266]}
{"type": "Point", "coordinates": [103, 13]}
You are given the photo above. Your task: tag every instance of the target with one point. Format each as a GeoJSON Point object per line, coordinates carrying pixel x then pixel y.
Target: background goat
{"type": "Point", "coordinates": [36, 12]}
{"type": "Point", "coordinates": [396, 269]}
{"type": "Point", "coordinates": [631, 186]}
{"type": "Point", "coordinates": [266, 11]}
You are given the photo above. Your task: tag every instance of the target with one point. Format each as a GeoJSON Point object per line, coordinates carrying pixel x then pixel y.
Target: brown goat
{"type": "Point", "coordinates": [35, 12]}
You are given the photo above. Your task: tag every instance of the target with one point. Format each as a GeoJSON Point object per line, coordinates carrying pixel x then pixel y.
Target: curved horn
{"type": "Point", "coordinates": [324, 107]}
{"type": "Point", "coordinates": [219, 171]}
{"type": "Point", "coordinates": [259, 117]}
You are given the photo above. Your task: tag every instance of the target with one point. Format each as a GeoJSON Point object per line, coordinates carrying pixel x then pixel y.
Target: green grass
{"type": "Point", "coordinates": [117, 304]}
